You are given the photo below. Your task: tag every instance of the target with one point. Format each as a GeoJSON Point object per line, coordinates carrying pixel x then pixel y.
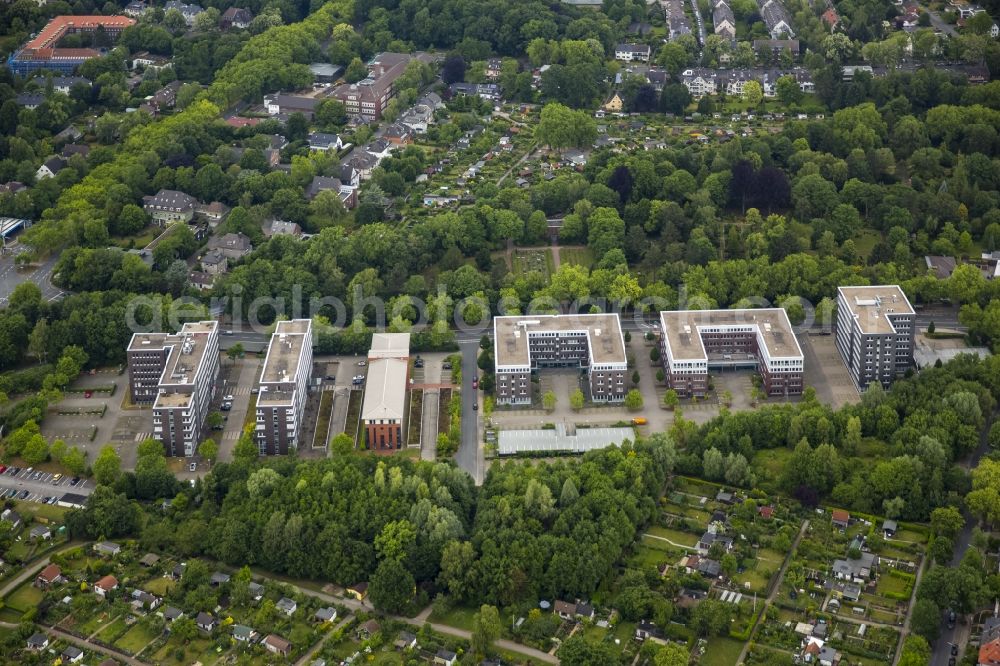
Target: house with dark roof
{"type": "Point", "coordinates": [169, 206]}
{"type": "Point", "coordinates": [858, 570]}
{"type": "Point", "coordinates": [324, 142]}
{"type": "Point", "coordinates": [328, 614]}
{"type": "Point", "coordinates": [359, 591]}
{"type": "Point", "coordinates": [723, 20]}
{"type": "Point", "coordinates": [287, 606]}
{"type": "Point", "coordinates": [348, 195]}
{"type": "Point", "coordinates": [709, 568]}
{"type": "Point", "coordinates": [214, 212]}
{"type": "Point", "coordinates": [206, 622]}
{"type": "Point", "coordinates": [369, 629]}
{"type": "Point", "coordinates": [50, 168]}
{"type": "Point", "coordinates": [282, 104]}
{"type": "Point", "coordinates": [630, 52]}
{"type": "Point", "coordinates": [71, 149]}
{"type": "Point", "coordinates": [243, 633]}
{"type": "Point", "coordinates": [144, 601]}
{"type": "Point", "coordinates": [40, 533]}
{"type": "Point", "coordinates": [232, 246]}
{"type": "Point", "coordinates": [405, 641]}
{"type": "Point", "coordinates": [709, 539]}
{"type": "Point", "coordinates": [284, 228]}
{"type": "Point", "coordinates": [30, 101]}
{"type": "Point", "coordinates": [889, 528]}
{"type": "Point", "coordinates": [256, 591]}
{"type": "Point", "coordinates": [214, 263]}
{"type": "Point", "coordinates": [71, 655]}
{"type": "Point", "coordinates": [445, 658]}
{"type": "Point", "coordinates": [38, 642]}
{"type": "Point", "coordinates": [170, 614]}
{"type": "Point", "coordinates": [235, 17]}
{"type": "Point", "coordinates": [218, 578]}
{"type": "Point", "coordinates": [189, 12]}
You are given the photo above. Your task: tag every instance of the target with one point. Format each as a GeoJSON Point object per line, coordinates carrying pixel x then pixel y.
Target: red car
{"type": "Point", "coordinates": [475, 383]}
{"type": "Point", "coordinates": [87, 394]}
{"type": "Point", "coordinates": [3, 468]}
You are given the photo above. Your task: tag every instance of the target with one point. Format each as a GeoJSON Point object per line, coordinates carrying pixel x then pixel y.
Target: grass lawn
{"type": "Point", "coordinates": [113, 631]}
{"type": "Point", "coordinates": [722, 652]}
{"type": "Point", "coordinates": [323, 420]}
{"type": "Point", "coordinates": [755, 575]}
{"type": "Point", "coordinates": [892, 584]}
{"type": "Point", "coordinates": [459, 617]}
{"type": "Point", "coordinates": [416, 414]}
{"type": "Point", "coordinates": [772, 559]}
{"type": "Point", "coordinates": [158, 586]}
{"type": "Point", "coordinates": [865, 242]}
{"type": "Point", "coordinates": [532, 260]}
{"type": "Point", "coordinates": [136, 638]}
{"type": "Point", "coordinates": [354, 416]}
{"type": "Point", "coordinates": [166, 655]}
{"type": "Point", "coordinates": [581, 256]}
{"type": "Point", "coordinates": [769, 463]}
{"type": "Point", "coordinates": [50, 512]}
{"type": "Point", "coordinates": [909, 535]}
{"type": "Point", "coordinates": [676, 536]}
{"type": "Point", "coordinates": [96, 622]}
{"type": "Point", "coordinates": [25, 597]}
{"type": "Point", "coordinates": [646, 557]}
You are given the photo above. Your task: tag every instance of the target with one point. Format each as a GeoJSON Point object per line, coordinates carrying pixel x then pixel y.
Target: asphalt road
{"type": "Point", "coordinates": [42, 486]}
{"type": "Point", "coordinates": [959, 634]}
{"type": "Point", "coordinates": [470, 453]}
{"type": "Point", "coordinates": [11, 277]}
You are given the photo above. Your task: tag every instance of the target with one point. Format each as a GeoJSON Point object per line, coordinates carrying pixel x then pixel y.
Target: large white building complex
{"type": "Point", "coordinates": [177, 373]}
{"type": "Point", "coordinates": [281, 400]}
{"type": "Point", "coordinates": [875, 331]}
{"type": "Point", "coordinates": [384, 408]}
{"type": "Point", "coordinates": [590, 341]}
{"type": "Point", "coordinates": [694, 341]}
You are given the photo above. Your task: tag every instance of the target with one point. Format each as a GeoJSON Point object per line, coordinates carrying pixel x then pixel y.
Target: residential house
{"type": "Point", "coordinates": [710, 538]}
{"type": "Point", "coordinates": [108, 548]}
{"type": "Point", "coordinates": [417, 118]}
{"type": "Point", "coordinates": [776, 46]}
{"type": "Point", "coordinates": [766, 512]}
{"type": "Point", "coordinates": [359, 591]}
{"type": "Point", "coordinates": [445, 658]}
{"type": "Point", "coordinates": [489, 91]}
{"type": "Point", "coordinates": [206, 622]}
{"type": "Point", "coordinates": [12, 187]}
{"type": "Point", "coordinates": [232, 246]}
{"type": "Point", "coordinates": [256, 591]}
{"type": "Point", "coordinates": [105, 586]}
{"type": "Point", "coordinates": [369, 629]}
{"type": "Point", "coordinates": [630, 52]}
{"type": "Point", "coordinates": [709, 568]}
{"type": "Point", "coordinates": [150, 62]}
{"type": "Point", "coordinates": [149, 560]}
{"type": "Point", "coordinates": [361, 162]}
{"type": "Point", "coordinates": [564, 609]}
{"type": "Point", "coordinates": [50, 168]}
{"type": "Point", "coordinates": [144, 601]}
{"type": "Point", "coordinates": [699, 82]}
{"type": "Point", "coordinates": [218, 578]}
{"type": "Point", "coordinates": [214, 212]}
{"type": "Point", "coordinates": [840, 518]}
{"type": "Point", "coordinates": [201, 280]}
{"type": "Point", "coordinates": [348, 195]}
{"type": "Point", "coordinates": [170, 614]}
{"type": "Point", "coordinates": [50, 575]}
{"type": "Point", "coordinates": [287, 606]}
{"type": "Point", "coordinates": [856, 571]}
{"type": "Point", "coordinates": [177, 571]}
{"type": "Point", "coordinates": [71, 149]}
{"type": "Point", "coordinates": [244, 634]}
{"type": "Point", "coordinates": [724, 21]}
{"type": "Point", "coordinates": [725, 497]}
{"type": "Point", "coordinates": [163, 99]}
{"type": "Point", "coordinates": [38, 642]}
{"type": "Point", "coordinates": [12, 517]}
{"type": "Point", "coordinates": [405, 641]}
{"type": "Point", "coordinates": [40, 533]}
{"type": "Point", "coordinates": [189, 12]}
{"type": "Point", "coordinates": [324, 142]}
{"type": "Point", "coordinates": [71, 655]}
{"type": "Point", "coordinates": [214, 263]}
{"type": "Point", "coordinates": [284, 228]}
{"type": "Point", "coordinates": [64, 84]}
{"type": "Point", "coordinates": [169, 206]}
{"type": "Point", "coordinates": [328, 614]}
{"type": "Point", "coordinates": [889, 528]}
{"type": "Point", "coordinates": [136, 8]}
{"type": "Point", "coordinates": [30, 101]}
{"type": "Point", "coordinates": [277, 645]}
{"type": "Point", "coordinates": [235, 17]}
{"type": "Point", "coordinates": [585, 611]}
{"type": "Point", "coordinates": [494, 68]}
{"type": "Point", "coordinates": [614, 104]}
{"type": "Point", "coordinates": [941, 267]}
{"type": "Point", "coordinates": [398, 134]}
{"type": "Point", "coordinates": [437, 201]}
{"type": "Point", "coordinates": [989, 643]}
{"type": "Point", "coordinates": [776, 18]}
{"type": "Point", "coordinates": [350, 175]}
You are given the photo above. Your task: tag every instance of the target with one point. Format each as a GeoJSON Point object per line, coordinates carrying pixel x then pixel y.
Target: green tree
{"type": "Point", "coordinates": [75, 461]}
{"type": "Point", "coordinates": [673, 654]}
{"type": "Point", "coordinates": [36, 451]}
{"type": "Point", "coordinates": [753, 94]}
{"type": "Point", "coordinates": [671, 399]}
{"type": "Point", "coordinates": [235, 352]}
{"type": "Point", "coordinates": [947, 521]}
{"type": "Point", "coordinates": [108, 466]}
{"type": "Point", "coordinates": [580, 651]}
{"type": "Point", "coordinates": [549, 401]}
{"type": "Point", "coordinates": [246, 449]}
{"type": "Point", "coordinates": [355, 71]}
{"type": "Point", "coordinates": [633, 400]}
{"type": "Point", "coordinates": [485, 630]}
{"type": "Point", "coordinates": [576, 400]}
{"type": "Point", "coordinates": [391, 586]}
{"type": "Point", "coordinates": [926, 620]}
{"type": "Point", "coordinates": [208, 450]}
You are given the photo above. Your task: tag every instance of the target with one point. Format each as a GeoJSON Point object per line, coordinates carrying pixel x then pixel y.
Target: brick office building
{"type": "Point", "coordinates": [693, 341]}
{"type": "Point", "coordinates": [384, 408]}
{"type": "Point", "coordinates": [281, 399]}
{"type": "Point", "coordinates": [177, 373]}
{"type": "Point", "coordinates": [590, 341]}
{"type": "Point", "coordinates": [875, 328]}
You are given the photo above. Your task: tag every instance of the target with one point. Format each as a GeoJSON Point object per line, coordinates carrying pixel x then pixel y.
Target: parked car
{"type": "Point", "coordinates": [24, 494]}
{"type": "Point", "coordinates": [226, 406]}
{"type": "Point", "coordinates": [446, 365]}
{"type": "Point", "coordinates": [75, 480]}
{"type": "Point", "coordinates": [228, 398]}
{"type": "Point", "coordinates": [88, 394]}
{"type": "Point", "coordinates": [362, 364]}
{"type": "Point", "coordinates": [56, 479]}
{"type": "Point", "coordinates": [193, 467]}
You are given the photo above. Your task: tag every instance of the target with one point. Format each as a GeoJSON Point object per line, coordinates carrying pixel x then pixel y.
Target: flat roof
{"type": "Point", "coordinates": [559, 439]}
{"type": "Point", "coordinates": [284, 350]}
{"type": "Point", "coordinates": [604, 335]}
{"type": "Point", "coordinates": [872, 306]}
{"type": "Point", "coordinates": [385, 389]}
{"type": "Point", "coordinates": [390, 345]}
{"type": "Point", "coordinates": [186, 352]}
{"type": "Point", "coordinates": [681, 328]}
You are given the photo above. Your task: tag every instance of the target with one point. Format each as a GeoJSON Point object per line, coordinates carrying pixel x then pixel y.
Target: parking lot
{"type": "Point", "coordinates": [38, 486]}
{"type": "Point", "coordinates": [825, 371]}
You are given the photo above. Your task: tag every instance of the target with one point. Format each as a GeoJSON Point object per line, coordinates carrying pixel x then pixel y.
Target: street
{"type": "Point", "coordinates": [11, 277]}
{"type": "Point", "coordinates": [470, 451]}
{"type": "Point", "coordinates": [959, 634]}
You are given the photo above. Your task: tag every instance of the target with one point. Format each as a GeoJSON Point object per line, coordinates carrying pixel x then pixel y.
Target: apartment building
{"type": "Point", "coordinates": [875, 328]}
{"type": "Point", "coordinates": [177, 373]}
{"type": "Point", "coordinates": [694, 341]}
{"type": "Point", "coordinates": [281, 399]}
{"type": "Point", "coordinates": [590, 341]}
{"type": "Point", "coordinates": [384, 407]}
{"type": "Point", "coordinates": [368, 98]}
